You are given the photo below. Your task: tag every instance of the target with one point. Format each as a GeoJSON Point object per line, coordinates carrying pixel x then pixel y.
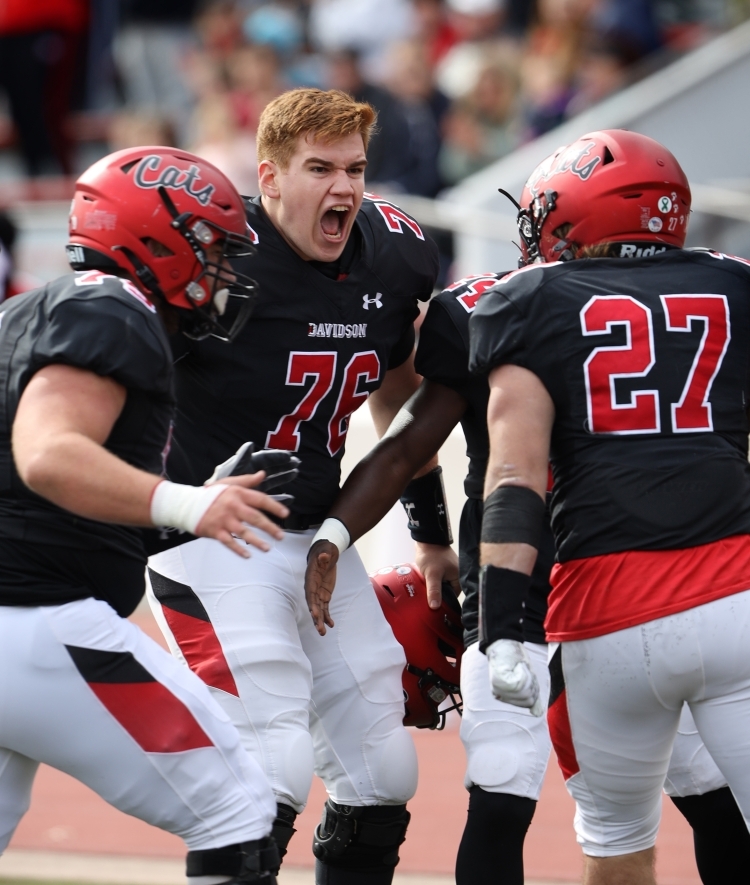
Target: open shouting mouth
{"type": "Point", "coordinates": [333, 223]}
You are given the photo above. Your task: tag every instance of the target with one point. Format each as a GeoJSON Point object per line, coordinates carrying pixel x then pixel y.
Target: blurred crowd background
{"type": "Point", "coordinates": [457, 83]}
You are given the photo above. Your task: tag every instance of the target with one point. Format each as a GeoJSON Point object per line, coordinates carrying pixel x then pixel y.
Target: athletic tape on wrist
{"type": "Point", "coordinates": [513, 515]}
{"type": "Point", "coordinates": [424, 502]}
{"type": "Point", "coordinates": [180, 506]}
{"type": "Point", "coordinates": [502, 604]}
{"type": "Point", "coordinates": [335, 531]}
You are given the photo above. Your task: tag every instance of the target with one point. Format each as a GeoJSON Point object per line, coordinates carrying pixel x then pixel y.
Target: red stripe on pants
{"type": "Point", "coordinates": [157, 720]}
{"type": "Point", "coordinates": [562, 738]}
{"type": "Point", "coordinates": [202, 650]}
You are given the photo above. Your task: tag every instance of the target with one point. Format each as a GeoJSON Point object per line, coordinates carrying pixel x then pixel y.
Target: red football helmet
{"type": "Point", "coordinates": [153, 211]}
{"type": "Point", "coordinates": [432, 640]}
{"type": "Point", "coordinates": [611, 186]}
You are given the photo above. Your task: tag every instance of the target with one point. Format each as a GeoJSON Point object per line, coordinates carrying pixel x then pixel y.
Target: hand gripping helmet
{"type": "Point", "coordinates": [611, 186]}
{"type": "Point", "coordinates": [153, 211]}
{"type": "Point", "coordinates": [432, 640]}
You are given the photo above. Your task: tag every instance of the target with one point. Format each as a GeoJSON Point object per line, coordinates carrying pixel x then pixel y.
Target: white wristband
{"type": "Point", "coordinates": [335, 531]}
{"type": "Point", "coordinates": [182, 507]}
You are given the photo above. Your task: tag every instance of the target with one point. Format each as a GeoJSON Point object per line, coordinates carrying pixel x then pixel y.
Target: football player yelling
{"type": "Point", "coordinates": [340, 277]}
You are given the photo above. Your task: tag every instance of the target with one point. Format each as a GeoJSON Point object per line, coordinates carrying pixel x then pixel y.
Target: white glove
{"type": "Point", "coordinates": [511, 677]}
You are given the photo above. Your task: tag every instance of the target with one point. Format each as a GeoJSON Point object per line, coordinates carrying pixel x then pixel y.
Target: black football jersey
{"type": "Point", "coordinates": [313, 351]}
{"type": "Point", "coordinates": [647, 362]}
{"type": "Point", "coordinates": [101, 323]}
{"type": "Point", "coordinates": [443, 357]}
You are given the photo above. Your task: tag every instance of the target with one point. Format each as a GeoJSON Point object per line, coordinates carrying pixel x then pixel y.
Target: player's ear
{"type": "Point", "coordinates": [268, 174]}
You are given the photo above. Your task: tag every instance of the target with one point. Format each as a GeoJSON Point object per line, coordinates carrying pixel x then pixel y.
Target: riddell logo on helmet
{"type": "Point", "coordinates": [630, 250]}
{"type": "Point", "coordinates": [570, 159]}
{"type": "Point", "coordinates": [173, 178]}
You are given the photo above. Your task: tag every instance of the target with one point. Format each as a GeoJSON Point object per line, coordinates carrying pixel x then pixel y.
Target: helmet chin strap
{"type": "Point", "coordinates": [144, 273]}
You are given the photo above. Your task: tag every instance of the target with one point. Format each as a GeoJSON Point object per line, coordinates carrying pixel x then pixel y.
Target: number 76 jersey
{"type": "Point", "coordinates": [313, 351]}
{"type": "Point", "coordinates": [648, 364]}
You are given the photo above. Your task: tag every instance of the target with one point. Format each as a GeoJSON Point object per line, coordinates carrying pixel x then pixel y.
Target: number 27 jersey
{"type": "Point", "coordinates": [648, 365]}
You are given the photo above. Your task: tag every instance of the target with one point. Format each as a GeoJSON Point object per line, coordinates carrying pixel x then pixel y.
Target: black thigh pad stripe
{"type": "Point", "coordinates": [110, 667]}
{"type": "Point", "coordinates": [513, 515]}
{"type": "Point", "coordinates": [179, 597]}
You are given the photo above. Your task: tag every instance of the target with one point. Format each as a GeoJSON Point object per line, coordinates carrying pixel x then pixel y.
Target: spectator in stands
{"type": "Point", "coordinates": [433, 28]}
{"type": "Point", "coordinates": [226, 144]}
{"type": "Point", "coordinates": [390, 158]}
{"type": "Point", "coordinates": [254, 77]}
{"type": "Point", "coordinates": [38, 51]}
{"type": "Point", "coordinates": [602, 70]}
{"type": "Point", "coordinates": [629, 25]}
{"type": "Point", "coordinates": [150, 52]}
{"type": "Point", "coordinates": [366, 26]}
{"type": "Point", "coordinates": [483, 126]}
{"type": "Point", "coordinates": [476, 24]}
{"type": "Point", "coordinates": [551, 56]}
{"type": "Point", "coordinates": [424, 106]}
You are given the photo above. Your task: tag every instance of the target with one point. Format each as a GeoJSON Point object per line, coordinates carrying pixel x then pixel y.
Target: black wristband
{"type": "Point", "coordinates": [502, 604]}
{"type": "Point", "coordinates": [424, 502]}
{"type": "Point", "coordinates": [513, 515]}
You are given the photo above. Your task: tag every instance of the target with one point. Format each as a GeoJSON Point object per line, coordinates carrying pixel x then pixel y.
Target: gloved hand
{"type": "Point", "coordinates": [511, 677]}
{"type": "Point", "coordinates": [281, 467]}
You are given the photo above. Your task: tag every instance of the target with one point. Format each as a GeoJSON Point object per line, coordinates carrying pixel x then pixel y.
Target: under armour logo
{"type": "Point", "coordinates": [412, 522]}
{"type": "Point", "coordinates": [367, 301]}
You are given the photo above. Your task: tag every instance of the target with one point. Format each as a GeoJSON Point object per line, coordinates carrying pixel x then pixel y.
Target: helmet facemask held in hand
{"type": "Point", "coordinates": [172, 221]}
{"type": "Point", "coordinates": [616, 189]}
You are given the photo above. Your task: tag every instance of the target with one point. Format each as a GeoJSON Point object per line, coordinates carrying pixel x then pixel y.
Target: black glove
{"type": "Point", "coordinates": [281, 467]}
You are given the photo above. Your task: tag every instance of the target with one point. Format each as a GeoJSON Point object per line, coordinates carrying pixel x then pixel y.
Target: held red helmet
{"type": "Point", "coordinates": [432, 641]}
{"type": "Point", "coordinates": [153, 212]}
{"type": "Point", "coordinates": [611, 186]}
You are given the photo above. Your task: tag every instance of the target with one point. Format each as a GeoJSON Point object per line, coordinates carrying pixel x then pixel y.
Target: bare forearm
{"type": "Point", "coordinates": [373, 487]}
{"type": "Point", "coordinates": [81, 476]}
{"type": "Point", "coordinates": [408, 447]}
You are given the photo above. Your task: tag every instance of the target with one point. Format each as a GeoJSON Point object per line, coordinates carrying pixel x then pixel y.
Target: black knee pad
{"type": "Point", "coordinates": [360, 838]}
{"type": "Point", "coordinates": [283, 827]}
{"type": "Point", "coordinates": [247, 862]}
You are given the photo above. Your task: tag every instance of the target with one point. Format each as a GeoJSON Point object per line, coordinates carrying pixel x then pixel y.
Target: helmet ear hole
{"type": "Point", "coordinates": [157, 249]}
{"type": "Point", "coordinates": [562, 230]}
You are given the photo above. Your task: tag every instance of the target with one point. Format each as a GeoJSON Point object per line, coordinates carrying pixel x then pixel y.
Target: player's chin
{"type": "Point", "coordinates": [330, 249]}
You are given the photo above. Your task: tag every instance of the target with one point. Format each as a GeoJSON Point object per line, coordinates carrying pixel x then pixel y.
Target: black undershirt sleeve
{"type": "Point", "coordinates": [402, 349]}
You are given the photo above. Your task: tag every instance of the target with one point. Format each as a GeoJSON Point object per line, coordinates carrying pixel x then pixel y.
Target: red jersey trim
{"type": "Point", "coordinates": [601, 594]}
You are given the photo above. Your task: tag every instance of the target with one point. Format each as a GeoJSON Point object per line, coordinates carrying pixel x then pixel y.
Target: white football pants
{"type": "Point", "coordinates": [302, 702]}
{"type": "Point", "coordinates": [88, 693]}
{"type": "Point", "coordinates": [624, 695]}
{"type": "Point", "coordinates": [507, 749]}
